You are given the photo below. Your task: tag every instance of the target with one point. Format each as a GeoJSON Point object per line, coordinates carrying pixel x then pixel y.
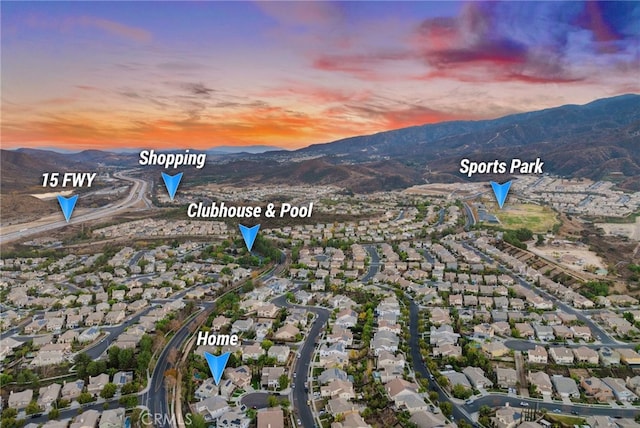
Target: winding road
{"type": "Point", "coordinates": [462, 410]}
{"type": "Point", "coordinates": [56, 221]}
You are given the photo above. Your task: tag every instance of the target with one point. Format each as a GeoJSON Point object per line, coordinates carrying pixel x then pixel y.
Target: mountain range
{"type": "Point", "coordinates": [596, 140]}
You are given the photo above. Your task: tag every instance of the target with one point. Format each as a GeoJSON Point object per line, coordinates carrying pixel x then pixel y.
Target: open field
{"type": "Point", "coordinates": [570, 255]}
{"type": "Point", "coordinates": [536, 218]}
{"type": "Point", "coordinates": [628, 230]}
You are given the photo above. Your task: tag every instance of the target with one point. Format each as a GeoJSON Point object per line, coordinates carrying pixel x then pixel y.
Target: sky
{"type": "Point", "coordinates": [109, 75]}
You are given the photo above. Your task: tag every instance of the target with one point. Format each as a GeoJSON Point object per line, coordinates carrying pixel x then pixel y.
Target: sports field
{"type": "Point", "coordinates": [536, 218]}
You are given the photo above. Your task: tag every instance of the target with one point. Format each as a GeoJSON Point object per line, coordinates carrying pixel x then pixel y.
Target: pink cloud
{"type": "Point", "coordinates": [316, 94]}
{"type": "Point", "coordinates": [115, 28]}
{"type": "Point", "coordinates": [111, 27]}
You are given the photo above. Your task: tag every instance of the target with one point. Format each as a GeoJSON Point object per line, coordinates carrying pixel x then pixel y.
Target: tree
{"type": "Point", "coordinates": [114, 356]}
{"type": "Point", "coordinates": [129, 401]}
{"type": "Point", "coordinates": [129, 388]}
{"type": "Point", "coordinates": [174, 325]}
{"type": "Point", "coordinates": [9, 413]}
{"type": "Point", "coordinates": [85, 398]}
{"type": "Point", "coordinates": [125, 359]}
{"type": "Point", "coordinates": [5, 379]}
{"type": "Point", "coordinates": [447, 408]}
{"type": "Point", "coordinates": [283, 381]}
{"type": "Point", "coordinates": [109, 390]}
{"type": "Point", "coordinates": [195, 420]}
{"type": "Point", "coordinates": [433, 396]}
{"type": "Point", "coordinates": [459, 391]}
{"type": "Point", "coordinates": [272, 401]}
{"type": "Point", "coordinates": [485, 410]}
{"type": "Point", "coordinates": [144, 359]}
{"type": "Point", "coordinates": [173, 356]}
{"type": "Point", "coordinates": [285, 404]}
{"type": "Point", "coordinates": [11, 423]}
{"type": "Point", "coordinates": [266, 344]}
{"type": "Point", "coordinates": [442, 380]}
{"type": "Point", "coordinates": [463, 424]}
{"type": "Point", "coordinates": [94, 368]}
{"type": "Point", "coordinates": [54, 414]}
{"type": "Point", "coordinates": [32, 408]}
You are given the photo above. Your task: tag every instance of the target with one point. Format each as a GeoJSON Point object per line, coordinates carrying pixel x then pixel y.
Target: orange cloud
{"type": "Point", "coordinates": [265, 125]}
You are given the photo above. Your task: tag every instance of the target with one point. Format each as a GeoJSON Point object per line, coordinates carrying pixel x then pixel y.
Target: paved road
{"type": "Point", "coordinates": [464, 411]}
{"type": "Point", "coordinates": [581, 410]}
{"type": "Point", "coordinates": [417, 361]}
{"type": "Point", "coordinates": [256, 400]}
{"type": "Point", "coordinates": [374, 265]}
{"type": "Point", "coordinates": [136, 194]}
{"type": "Point", "coordinates": [420, 367]}
{"type": "Point", "coordinates": [599, 333]}
{"type": "Point", "coordinates": [470, 220]}
{"type": "Point", "coordinates": [155, 397]}
{"type": "Point", "coordinates": [69, 413]}
{"type": "Point", "coordinates": [301, 366]}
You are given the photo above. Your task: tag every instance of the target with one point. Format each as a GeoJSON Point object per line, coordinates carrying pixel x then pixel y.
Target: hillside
{"type": "Point", "coordinates": [594, 140]}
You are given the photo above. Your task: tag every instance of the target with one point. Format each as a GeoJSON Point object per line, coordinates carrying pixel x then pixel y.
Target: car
{"type": "Point", "coordinates": [299, 422]}
{"type": "Point", "coordinates": [469, 401]}
{"type": "Point", "coordinates": [557, 411]}
{"type": "Point", "coordinates": [574, 412]}
{"type": "Point", "coordinates": [524, 404]}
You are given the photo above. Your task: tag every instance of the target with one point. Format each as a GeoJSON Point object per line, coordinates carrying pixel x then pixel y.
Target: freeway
{"type": "Point", "coordinates": [301, 366]}
{"type": "Point", "coordinates": [56, 221]}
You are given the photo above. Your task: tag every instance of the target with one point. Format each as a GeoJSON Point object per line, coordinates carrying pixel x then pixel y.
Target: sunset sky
{"type": "Point", "coordinates": [112, 75]}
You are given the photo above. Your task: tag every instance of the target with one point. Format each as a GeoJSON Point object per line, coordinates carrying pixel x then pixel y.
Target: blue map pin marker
{"type": "Point", "coordinates": [172, 182]}
{"type": "Point", "coordinates": [217, 365]}
{"type": "Point", "coordinates": [67, 205]}
{"type": "Point", "coordinates": [501, 191]}
{"type": "Point", "coordinates": [249, 235]}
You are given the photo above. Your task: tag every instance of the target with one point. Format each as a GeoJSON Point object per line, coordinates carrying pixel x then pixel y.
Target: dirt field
{"type": "Point", "coordinates": [570, 256]}
{"type": "Point", "coordinates": [446, 190]}
{"type": "Point", "coordinates": [17, 209]}
{"type": "Point", "coordinates": [629, 230]}
{"type": "Point", "coordinates": [536, 218]}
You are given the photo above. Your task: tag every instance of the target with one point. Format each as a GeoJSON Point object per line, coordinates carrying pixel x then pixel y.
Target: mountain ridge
{"type": "Point", "coordinates": [593, 140]}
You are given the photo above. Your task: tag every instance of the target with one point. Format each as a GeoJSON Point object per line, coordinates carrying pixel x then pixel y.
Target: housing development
{"type": "Point", "coordinates": [320, 214]}
{"type": "Point", "coordinates": [423, 307]}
